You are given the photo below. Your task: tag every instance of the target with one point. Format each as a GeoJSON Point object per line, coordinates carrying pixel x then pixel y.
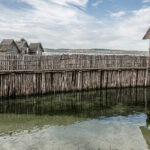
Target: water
{"type": "Point", "coordinates": [94, 52]}
{"type": "Point", "coordinates": [116, 119]}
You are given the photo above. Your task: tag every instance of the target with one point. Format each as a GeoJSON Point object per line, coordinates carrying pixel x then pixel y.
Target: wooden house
{"type": "Point", "coordinates": [23, 46]}
{"type": "Point", "coordinates": [9, 46]}
{"type": "Point", "coordinates": [147, 37]}
{"type": "Point", "coordinates": [36, 48]}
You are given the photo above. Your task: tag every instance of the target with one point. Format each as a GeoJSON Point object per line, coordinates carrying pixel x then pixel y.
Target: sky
{"type": "Point", "coordinates": [112, 24]}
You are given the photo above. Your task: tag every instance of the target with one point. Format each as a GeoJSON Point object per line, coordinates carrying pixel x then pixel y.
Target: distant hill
{"type": "Point", "coordinates": [95, 52]}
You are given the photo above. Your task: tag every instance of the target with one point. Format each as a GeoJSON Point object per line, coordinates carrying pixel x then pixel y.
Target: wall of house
{"type": "Point", "coordinates": [12, 49]}
{"type": "Point", "coordinates": [39, 51]}
{"type": "Point", "coordinates": [24, 49]}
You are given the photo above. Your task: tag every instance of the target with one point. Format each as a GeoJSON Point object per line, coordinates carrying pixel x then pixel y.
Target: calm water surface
{"type": "Point", "coordinates": [98, 120]}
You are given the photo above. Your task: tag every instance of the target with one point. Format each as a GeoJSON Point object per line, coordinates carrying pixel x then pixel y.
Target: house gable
{"type": "Point", "coordinates": [23, 46]}
{"type": "Point", "coordinates": [13, 48]}
{"type": "Point", "coordinates": [147, 35]}
{"type": "Point", "coordinates": [9, 46]}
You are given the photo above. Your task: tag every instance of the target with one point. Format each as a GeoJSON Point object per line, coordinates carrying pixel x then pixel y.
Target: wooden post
{"type": "Point", "coordinates": [146, 76]}
{"type": "Point", "coordinates": [145, 96]}
{"type": "Point", "coordinates": [149, 47]}
{"type": "Point", "coordinates": [43, 83]}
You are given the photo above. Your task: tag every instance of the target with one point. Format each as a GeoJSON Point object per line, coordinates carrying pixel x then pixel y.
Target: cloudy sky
{"type": "Point", "coordinates": [115, 24]}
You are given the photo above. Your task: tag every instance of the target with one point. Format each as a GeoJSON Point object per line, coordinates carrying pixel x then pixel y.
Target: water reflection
{"type": "Point", "coordinates": [105, 119]}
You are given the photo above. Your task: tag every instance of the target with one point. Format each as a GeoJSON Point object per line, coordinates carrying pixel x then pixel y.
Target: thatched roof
{"type": "Point", "coordinates": [34, 46]}
{"type": "Point", "coordinates": [5, 44]}
{"type": "Point", "coordinates": [147, 35]}
{"type": "Point", "coordinates": [21, 43]}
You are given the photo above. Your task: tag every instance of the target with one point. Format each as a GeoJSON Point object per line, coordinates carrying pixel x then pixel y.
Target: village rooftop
{"type": "Point", "coordinates": [10, 46]}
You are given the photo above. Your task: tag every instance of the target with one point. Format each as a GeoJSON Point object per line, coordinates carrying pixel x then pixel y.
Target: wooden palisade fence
{"type": "Point", "coordinates": [26, 75]}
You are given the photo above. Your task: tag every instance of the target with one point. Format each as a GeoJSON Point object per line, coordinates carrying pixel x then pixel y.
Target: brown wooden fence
{"type": "Point", "coordinates": [27, 75]}
{"type": "Point", "coordinates": [56, 62]}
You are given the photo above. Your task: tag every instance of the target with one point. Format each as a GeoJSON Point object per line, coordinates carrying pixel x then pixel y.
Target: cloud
{"type": "Point", "coordinates": [130, 30]}
{"type": "Point", "coordinates": [145, 1]}
{"type": "Point", "coordinates": [65, 24]}
{"type": "Point", "coordinates": [95, 4]}
{"type": "Point", "coordinates": [45, 21]}
{"type": "Point", "coordinates": [81, 3]}
{"type": "Point", "coordinates": [118, 14]}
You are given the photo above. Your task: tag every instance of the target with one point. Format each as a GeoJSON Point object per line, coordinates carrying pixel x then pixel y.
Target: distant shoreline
{"type": "Point", "coordinates": [95, 52]}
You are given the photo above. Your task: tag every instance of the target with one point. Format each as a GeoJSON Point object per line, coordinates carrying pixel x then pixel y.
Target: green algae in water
{"type": "Point", "coordinates": [107, 119]}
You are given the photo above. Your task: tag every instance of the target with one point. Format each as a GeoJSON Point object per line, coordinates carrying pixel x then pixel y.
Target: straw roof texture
{"type": "Point", "coordinates": [5, 44]}
{"type": "Point", "coordinates": [21, 43]}
{"type": "Point", "coordinates": [147, 35]}
{"type": "Point", "coordinates": [34, 46]}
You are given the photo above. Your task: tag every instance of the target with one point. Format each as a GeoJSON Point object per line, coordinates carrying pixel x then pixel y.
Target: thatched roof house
{"type": "Point", "coordinates": [23, 46]}
{"type": "Point", "coordinates": [36, 48]}
{"type": "Point", "coordinates": [147, 35]}
{"type": "Point", "coordinates": [9, 46]}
